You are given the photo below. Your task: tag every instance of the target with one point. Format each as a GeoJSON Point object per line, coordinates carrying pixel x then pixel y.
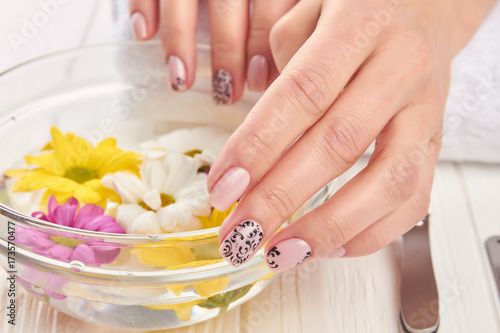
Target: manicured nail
{"type": "Point", "coordinates": [335, 254]}
{"type": "Point", "coordinates": [229, 188]}
{"type": "Point", "coordinates": [257, 73]}
{"type": "Point", "coordinates": [241, 243]}
{"type": "Point", "coordinates": [287, 254]}
{"type": "Point", "coordinates": [176, 73]}
{"type": "Point", "coordinates": [139, 26]}
{"type": "Point", "coordinates": [222, 86]}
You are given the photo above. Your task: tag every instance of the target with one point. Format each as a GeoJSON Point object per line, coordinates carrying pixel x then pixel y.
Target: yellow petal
{"type": "Point", "coordinates": [16, 173]}
{"type": "Point", "coordinates": [86, 195]}
{"type": "Point", "coordinates": [165, 255]}
{"type": "Point", "coordinates": [104, 192]}
{"type": "Point", "coordinates": [182, 310]}
{"type": "Point", "coordinates": [70, 150]}
{"type": "Point", "coordinates": [196, 263]}
{"type": "Point", "coordinates": [48, 146]}
{"type": "Point", "coordinates": [210, 287]}
{"type": "Point", "coordinates": [47, 162]}
{"type": "Point", "coordinates": [184, 314]}
{"type": "Point", "coordinates": [206, 222]}
{"type": "Point", "coordinates": [124, 161]}
{"type": "Point", "coordinates": [218, 217]}
{"type": "Point", "coordinates": [101, 153]}
{"type": "Point", "coordinates": [177, 289]}
{"type": "Point", "coordinates": [38, 179]}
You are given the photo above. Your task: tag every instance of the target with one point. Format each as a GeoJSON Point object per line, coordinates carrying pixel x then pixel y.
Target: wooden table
{"type": "Point", "coordinates": [362, 294]}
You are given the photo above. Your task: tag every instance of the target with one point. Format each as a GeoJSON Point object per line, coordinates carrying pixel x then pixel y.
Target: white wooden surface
{"type": "Point", "coordinates": [347, 295]}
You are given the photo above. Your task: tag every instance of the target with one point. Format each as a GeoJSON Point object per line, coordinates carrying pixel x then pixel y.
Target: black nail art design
{"type": "Point", "coordinates": [222, 86]}
{"type": "Point", "coordinates": [272, 253]}
{"type": "Point", "coordinates": [308, 254]}
{"type": "Point", "coordinates": [242, 242]}
{"type": "Point", "coordinates": [180, 84]}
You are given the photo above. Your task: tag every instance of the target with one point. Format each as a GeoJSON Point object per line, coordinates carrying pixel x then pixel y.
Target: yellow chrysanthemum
{"type": "Point", "coordinates": [74, 168]}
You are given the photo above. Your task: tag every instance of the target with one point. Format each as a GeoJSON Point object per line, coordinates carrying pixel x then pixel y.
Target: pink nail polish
{"type": "Point", "coordinates": [229, 188]}
{"type": "Point", "coordinates": [287, 254]}
{"type": "Point", "coordinates": [139, 26]}
{"type": "Point", "coordinates": [335, 254]}
{"type": "Point", "coordinates": [176, 73]}
{"type": "Point", "coordinates": [241, 243]}
{"type": "Point", "coordinates": [222, 87]}
{"type": "Point", "coordinates": [257, 73]}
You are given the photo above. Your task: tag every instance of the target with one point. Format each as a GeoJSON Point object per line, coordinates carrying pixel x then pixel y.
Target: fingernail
{"type": "Point", "coordinates": [287, 254]}
{"type": "Point", "coordinates": [335, 254]}
{"type": "Point", "coordinates": [176, 73]}
{"type": "Point", "coordinates": [257, 73]}
{"type": "Point", "coordinates": [229, 188]}
{"type": "Point", "coordinates": [139, 26]}
{"type": "Point", "coordinates": [241, 243]}
{"type": "Point", "coordinates": [222, 86]}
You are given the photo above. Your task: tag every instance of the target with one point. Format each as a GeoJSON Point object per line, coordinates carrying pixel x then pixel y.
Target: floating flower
{"type": "Point", "coordinates": [65, 246]}
{"type": "Point", "coordinates": [201, 143]}
{"type": "Point", "coordinates": [168, 197]}
{"type": "Point", "coordinates": [74, 168]}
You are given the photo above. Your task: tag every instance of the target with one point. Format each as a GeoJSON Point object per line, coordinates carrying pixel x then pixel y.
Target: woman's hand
{"type": "Point", "coordinates": [238, 41]}
{"type": "Point", "coordinates": [352, 72]}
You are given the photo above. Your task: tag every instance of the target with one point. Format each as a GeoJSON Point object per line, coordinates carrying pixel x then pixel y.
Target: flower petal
{"type": "Point", "coordinates": [105, 254]}
{"type": "Point", "coordinates": [16, 173]}
{"type": "Point", "coordinates": [85, 254]}
{"type": "Point", "coordinates": [47, 162]}
{"type": "Point", "coordinates": [86, 214]}
{"type": "Point", "coordinates": [181, 171]}
{"type": "Point", "coordinates": [52, 205]}
{"type": "Point", "coordinates": [59, 252]}
{"type": "Point", "coordinates": [128, 186]}
{"type": "Point", "coordinates": [152, 199]}
{"type": "Point", "coordinates": [85, 194]}
{"type": "Point", "coordinates": [145, 223]}
{"type": "Point", "coordinates": [65, 214]}
{"type": "Point", "coordinates": [125, 214]}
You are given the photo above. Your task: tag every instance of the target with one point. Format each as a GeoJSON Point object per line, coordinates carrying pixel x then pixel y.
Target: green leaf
{"type": "Point", "coordinates": [223, 300]}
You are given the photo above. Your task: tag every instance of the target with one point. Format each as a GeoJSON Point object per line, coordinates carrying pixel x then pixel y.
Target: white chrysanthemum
{"type": "Point", "coordinates": [202, 143]}
{"type": "Point", "coordinates": [167, 198]}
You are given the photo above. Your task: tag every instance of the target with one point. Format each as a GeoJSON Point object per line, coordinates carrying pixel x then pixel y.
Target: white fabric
{"type": "Point", "coordinates": [472, 117]}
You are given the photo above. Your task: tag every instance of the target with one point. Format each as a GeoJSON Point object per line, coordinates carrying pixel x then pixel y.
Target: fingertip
{"type": "Point", "coordinates": [139, 26]}
{"type": "Point", "coordinates": [257, 73]}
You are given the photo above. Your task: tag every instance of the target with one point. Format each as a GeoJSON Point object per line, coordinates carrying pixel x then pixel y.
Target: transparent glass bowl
{"type": "Point", "coordinates": [142, 281]}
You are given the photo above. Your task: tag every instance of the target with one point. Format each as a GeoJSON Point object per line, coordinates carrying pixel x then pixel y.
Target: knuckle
{"type": "Point", "coordinates": [422, 60]}
{"type": "Point", "coordinates": [170, 33]}
{"type": "Point", "coordinates": [342, 141]}
{"type": "Point", "coordinates": [375, 240]}
{"type": "Point", "coordinates": [335, 235]}
{"type": "Point", "coordinates": [257, 144]}
{"type": "Point", "coordinates": [224, 47]}
{"type": "Point", "coordinates": [403, 178]}
{"type": "Point", "coordinates": [420, 205]}
{"type": "Point", "coordinates": [278, 198]}
{"type": "Point", "coordinates": [307, 88]}
{"type": "Point", "coordinates": [259, 32]}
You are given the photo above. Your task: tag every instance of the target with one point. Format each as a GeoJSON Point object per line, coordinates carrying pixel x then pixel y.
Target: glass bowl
{"type": "Point", "coordinates": [140, 281]}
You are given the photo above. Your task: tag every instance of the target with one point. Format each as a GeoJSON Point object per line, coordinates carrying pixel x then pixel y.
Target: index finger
{"type": "Point", "coordinates": [298, 98]}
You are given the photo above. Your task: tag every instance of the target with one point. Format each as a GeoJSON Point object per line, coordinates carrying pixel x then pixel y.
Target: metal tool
{"type": "Point", "coordinates": [493, 248]}
{"type": "Point", "coordinates": [419, 295]}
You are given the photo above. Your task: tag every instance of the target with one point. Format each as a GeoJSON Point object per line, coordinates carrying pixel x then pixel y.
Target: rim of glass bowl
{"type": "Point", "coordinates": [21, 218]}
{"type": "Point", "coordinates": [77, 49]}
